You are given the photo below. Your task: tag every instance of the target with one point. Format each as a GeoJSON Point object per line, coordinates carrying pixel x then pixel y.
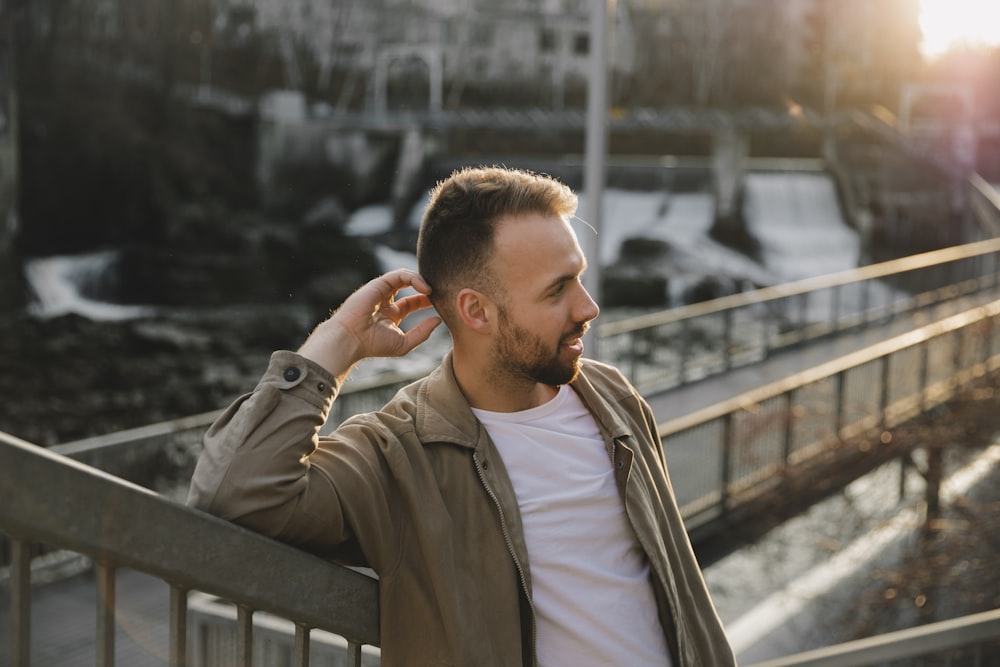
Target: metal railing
{"type": "Point", "coordinates": [732, 454]}
{"type": "Point", "coordinates": [671, 348]}
{"type": "Point", "coordinates": [970, 640]}
{"type": "Point", "coordinates": [738, 451]}
{"type": "Point", "coordinates": [48, 498]}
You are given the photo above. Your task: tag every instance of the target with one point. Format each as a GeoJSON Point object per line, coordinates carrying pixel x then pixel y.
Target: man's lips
{"type": "Point", "coordinates": [575, 342]}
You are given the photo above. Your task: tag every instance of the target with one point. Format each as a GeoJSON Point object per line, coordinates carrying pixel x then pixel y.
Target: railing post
{"type": "Point", "coordinates": [803, 299]}
{"type": "Point", "coordinates": [301, 656]}
{"type": "Point", "coordinates": [727, 338]}
{"type": "Point", "coordinates": [244, 636]}
{"type": "Point", "coordinates": [685, 350]}
{"type": "Point", "coordinates": [178, 626]}
{"type": "Point", "coordinates": [996, 269]}
{"type": "Point", "coordinates": [786, 453]}
{"type": "Point", "coordinates": [988, 343]}
{"type": "Point", "coordinates": [865, 302]}
{"type": "Point", "coordinates": [884, 392]}
{"type": "Point", "coordinates": [20, 602]}
{"type": "Point", "coordinates": [839, 407]}
{"type": "Point", "coordinates": [353, 654]}
{"type": "Point", "coordinates": [727, 455]}
{"type": "Point", "coordinates": [105, 615]}
{"type": "Point", "coordinates": [835, 307]}
{"type": "Point", "coordinates": [924, 353]}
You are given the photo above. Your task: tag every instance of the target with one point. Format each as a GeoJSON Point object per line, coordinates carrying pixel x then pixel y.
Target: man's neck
{"type": "Point", "coordinates": [486, 389]}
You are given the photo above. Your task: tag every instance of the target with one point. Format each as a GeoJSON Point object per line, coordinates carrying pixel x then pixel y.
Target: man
{"type": "Point", "coordinates": [515, 503]}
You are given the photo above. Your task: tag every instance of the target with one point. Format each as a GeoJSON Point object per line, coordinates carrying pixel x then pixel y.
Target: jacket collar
{"type": "Point", "coordinates": [443, 414]}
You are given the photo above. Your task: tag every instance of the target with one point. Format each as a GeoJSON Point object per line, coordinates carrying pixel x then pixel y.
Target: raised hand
{"type": "Point", "coordinates": [367, 324]}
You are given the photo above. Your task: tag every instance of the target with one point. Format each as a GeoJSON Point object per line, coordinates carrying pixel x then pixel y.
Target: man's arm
{"type": "Point", "coordinates": [255, 467]}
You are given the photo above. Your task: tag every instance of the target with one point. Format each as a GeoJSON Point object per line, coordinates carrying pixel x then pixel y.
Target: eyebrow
{"type": "Point", "coordinates": [565, 278]}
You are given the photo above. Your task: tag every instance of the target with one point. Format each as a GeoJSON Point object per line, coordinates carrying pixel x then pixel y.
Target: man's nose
{"type": "Point", "coordinates": [588, 308]}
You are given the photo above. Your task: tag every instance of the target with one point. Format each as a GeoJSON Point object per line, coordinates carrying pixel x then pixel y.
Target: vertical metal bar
{"type": "Point", "coordinates": [178, 626]}
{"type": "Point", "coordinates": [840, 417]}
{"type": "Point", "coordinates": [835, 307]}
{"type": "Point", "coordinates": [884, 395]}
{"type": "Point", "coordinates": [802, 300]}
{"type": "Point", "coordinates": [988, 342]}
{"type": "Point", "coordinates": [727, 455]}
{"type": "Point", "coordinates": [996, 270]}
{"type": "Point", "coordinates": [105, 615]}
{"type": "Point", "coordinates": [20, 603]}
{"type": "Point", "coordinates": [904, 461]}
{"type": "Point", "coordinates": [301, 656]}
{"type": "Point", "coordinates": [789, 428]}
{"type": "Point", "coordinates": [685, 350]}
{"type": "Point", "coordinates": [924, 354]}
{"type": "Point", "coordinates": [244, 636]}
{"type": "Point", "coordinates": [775, 307]}
{"type": "Point", "coordinates": [353, 654]}
{"type": "Point", "coordinates": [727, 338]}
{"type": "Point", "coordinates": [865, 301]}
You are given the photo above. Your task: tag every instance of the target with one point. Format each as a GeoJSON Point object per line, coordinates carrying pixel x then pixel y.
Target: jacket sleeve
{"type": "Point", "coordinates": [265, 466]}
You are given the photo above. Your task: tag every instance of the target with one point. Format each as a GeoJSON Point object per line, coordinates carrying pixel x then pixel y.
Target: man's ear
{"type": "Point", "coordinates": [475, 309]}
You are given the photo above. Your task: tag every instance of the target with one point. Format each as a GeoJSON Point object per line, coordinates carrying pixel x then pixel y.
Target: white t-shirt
{"type": "Point", "coordinates": [590, 578]}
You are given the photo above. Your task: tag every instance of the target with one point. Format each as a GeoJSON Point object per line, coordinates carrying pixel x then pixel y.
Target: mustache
{"type": "Point", "coordinates": [579, 331]}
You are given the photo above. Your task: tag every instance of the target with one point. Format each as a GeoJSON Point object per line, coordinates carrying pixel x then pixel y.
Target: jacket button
{"type": "Point", "coordinates": [621, 464]}
{"type": "Point", "coordinates": [321, 387]}
{"type": "Point", "coordinates": [291, 374]}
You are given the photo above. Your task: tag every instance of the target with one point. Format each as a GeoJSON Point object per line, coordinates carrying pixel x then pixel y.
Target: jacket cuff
{"type": "Point", "coordinates": [302, 377]}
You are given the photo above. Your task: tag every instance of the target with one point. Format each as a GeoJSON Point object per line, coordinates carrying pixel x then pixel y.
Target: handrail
{"type": "Point", "coordinates": [672, 348]}
{"type": "Point", "coordinates": [802, 287]}
{"type": "Point", "coordinates": [738, 451]}
{"type": "Point", "coordinates": [48, 498]}
{"type": "Point", "coordinates": [925, 640]}
{"type": "Point", "coordinates": [871, 353]}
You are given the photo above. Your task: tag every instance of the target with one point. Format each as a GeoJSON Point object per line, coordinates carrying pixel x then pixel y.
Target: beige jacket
{"type": "Point", "coordinates": [419, 490]}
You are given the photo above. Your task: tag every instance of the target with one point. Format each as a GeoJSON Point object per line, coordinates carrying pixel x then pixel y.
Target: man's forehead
{"type": "Point", "coordinates": [546, 244]}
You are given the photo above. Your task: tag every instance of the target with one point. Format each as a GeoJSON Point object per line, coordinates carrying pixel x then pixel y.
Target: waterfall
{"type": "Point", "coordinates": [57, 284]}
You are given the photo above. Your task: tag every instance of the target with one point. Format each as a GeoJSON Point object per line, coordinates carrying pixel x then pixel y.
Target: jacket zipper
{"type": "Point", "coordinates": [510, 550]}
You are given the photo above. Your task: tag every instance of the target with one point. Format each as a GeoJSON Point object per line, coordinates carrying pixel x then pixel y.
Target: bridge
{"type": "Point", "coordinates": [783, 392]}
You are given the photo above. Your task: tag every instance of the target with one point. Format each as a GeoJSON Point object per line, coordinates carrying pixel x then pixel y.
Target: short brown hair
{"type": "Point", "coordinates": [456, 234]}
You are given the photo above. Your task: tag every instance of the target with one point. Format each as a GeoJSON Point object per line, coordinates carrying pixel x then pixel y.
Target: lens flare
{"type": "Point", "coordinates": [954, 24]}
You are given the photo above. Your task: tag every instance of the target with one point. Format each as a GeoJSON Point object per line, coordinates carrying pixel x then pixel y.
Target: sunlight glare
{"type": "Point", "coordinates": [949, 24]}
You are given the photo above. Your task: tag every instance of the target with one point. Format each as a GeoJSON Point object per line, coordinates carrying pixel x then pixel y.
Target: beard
{"type": "Point", "coordinates": [522, 355]}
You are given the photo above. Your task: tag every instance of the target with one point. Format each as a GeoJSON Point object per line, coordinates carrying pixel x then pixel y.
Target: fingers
{"type": "Point", "coordinates": [420, 333]}
{"type": "Point", "coordinates": [390, 283]}
{"type": "Point", "coordinates": [411, 304]}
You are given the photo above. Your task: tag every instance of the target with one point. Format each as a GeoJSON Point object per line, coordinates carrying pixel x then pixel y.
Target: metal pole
{"type": "Point", "coordinates": [596, 151]}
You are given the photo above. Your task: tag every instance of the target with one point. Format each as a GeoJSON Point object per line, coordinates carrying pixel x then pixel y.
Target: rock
{"type": "Point", "coordinates": [710, 287]}
{"type": "Point", "coordinates": [624, 286]}
{"type": "Point", "coordinates": [329, 212]}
